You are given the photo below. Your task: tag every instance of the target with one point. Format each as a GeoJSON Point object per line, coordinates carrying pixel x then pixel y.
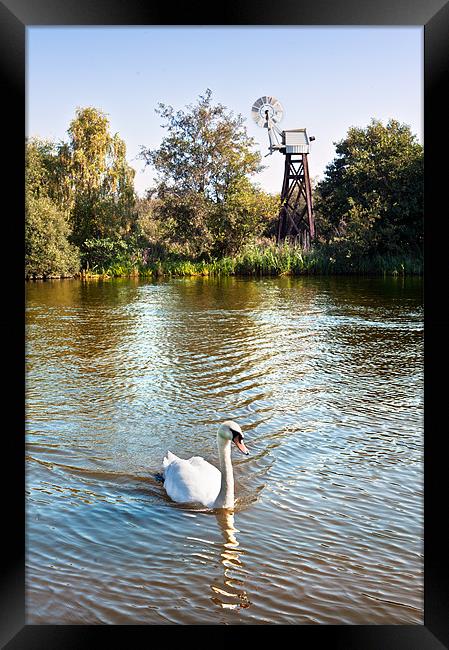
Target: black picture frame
{"type": "Point", "coordinates": [433, 15]}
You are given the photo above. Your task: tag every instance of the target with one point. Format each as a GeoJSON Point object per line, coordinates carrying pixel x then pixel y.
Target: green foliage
{"type": "Point", "coordinates": [263, 259]}
{"type": "Point", "coordinates": [205, 203]}
{"type": "Point", "coordinates": [206, 148]}
{"type": "Point", "coordinates": [100, 254]}
{"type": "Point", "coordinates": [148, 228]}
{"type": "Point", "coordinates": [45, 171]}
{"type": "Point", "coordinates": [47, 250]}
{"type": "Point", "coordinates": [289, 259]}
{"type": "Point", "coordinates": [89, 185]}
{"type": "Point", "coordinates": [205, 216]}
{"type": "Point", "coordinates": [101, 180]}
{"type": "Point", "coordinates": [371, 198]}
{"type": "Point", "coordinates": [271, 259]}
{"type": "Point", "coordinates": [183, 219]}
{"type": "Point", "coordinates": [242, 217]}
{"type": "Point", "coordinates": [39, 156]}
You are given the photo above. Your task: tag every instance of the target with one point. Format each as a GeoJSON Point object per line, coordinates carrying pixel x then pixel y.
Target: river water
{"type": "Point", "coordinates": [325, 377]}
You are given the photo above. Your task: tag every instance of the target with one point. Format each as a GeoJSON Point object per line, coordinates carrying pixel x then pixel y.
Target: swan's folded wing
{"type": "Point", "coordinates": [192, 481]}
{"type": "Point", "coordinates": [198, 461]}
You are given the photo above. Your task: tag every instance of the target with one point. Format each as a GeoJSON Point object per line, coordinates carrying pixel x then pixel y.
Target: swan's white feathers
{"type": "Point", "coordinates": [191, 481]}
{"type": "Point", "coordinates": [169, 458]}
{"type": "Point", "coordinates": [197, 481]}
{"type": "Point", "coordinates": [198, 461]}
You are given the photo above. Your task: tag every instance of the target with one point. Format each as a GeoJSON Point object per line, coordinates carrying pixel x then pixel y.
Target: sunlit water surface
{"type": "Point", "coordinates": [325, 376]}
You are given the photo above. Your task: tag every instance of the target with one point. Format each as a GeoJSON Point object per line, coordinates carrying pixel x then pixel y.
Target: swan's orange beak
{"type": "Point", "coordinates": [240, 445]}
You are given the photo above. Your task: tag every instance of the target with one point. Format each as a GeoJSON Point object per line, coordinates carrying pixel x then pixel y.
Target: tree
{"type": "Point", "coordinates": [100, 179]}
{"type": "Point", "coordinates": [207, 147]}
{"type": "Point", "coordinates": [245, 214]}
{"type": "Point", "coordinates": [202, 168]}
{"type": "Point", "coordinates": [47, 249]}
{"type": "Point", "coordinates": [46, 171]}
{"type": "Point", "coordinates": [85, 191]}
{"type": "Point", "coordinates": [371, 199]}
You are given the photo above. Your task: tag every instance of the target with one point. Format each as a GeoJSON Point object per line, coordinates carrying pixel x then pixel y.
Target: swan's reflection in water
{"type": "Point", "coordinates": [230, 594]}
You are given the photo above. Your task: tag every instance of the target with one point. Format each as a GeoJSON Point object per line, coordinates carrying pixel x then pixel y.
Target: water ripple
{"type": "Point", "coordinates": [325, 376]}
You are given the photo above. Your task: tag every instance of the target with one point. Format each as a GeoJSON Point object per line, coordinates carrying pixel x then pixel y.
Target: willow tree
{"type": "Point", "coordinates": [206, 204]}
{"type": "Point", "coordinates": [99, 178]}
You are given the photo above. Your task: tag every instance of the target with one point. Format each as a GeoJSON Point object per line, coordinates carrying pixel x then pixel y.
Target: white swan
{"type": "Point", "coordinates": [197, 481]}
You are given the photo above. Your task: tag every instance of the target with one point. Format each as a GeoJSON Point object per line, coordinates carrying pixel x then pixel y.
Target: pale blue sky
{"type": "Point", "coordinates": [327, 79]}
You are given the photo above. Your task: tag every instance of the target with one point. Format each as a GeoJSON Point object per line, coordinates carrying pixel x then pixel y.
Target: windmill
{"type": "Point", "coordinates": [296, 222]}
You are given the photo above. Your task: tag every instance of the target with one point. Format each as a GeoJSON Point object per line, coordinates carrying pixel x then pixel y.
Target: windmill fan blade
{"type": "Point", "coordinates": [264, 104]}
{"type": "Point", "coordinates": [257, 118]}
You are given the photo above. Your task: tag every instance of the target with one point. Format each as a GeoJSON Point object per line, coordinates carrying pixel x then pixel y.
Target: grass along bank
{"type": "Point", "coordinates": [265, 261]}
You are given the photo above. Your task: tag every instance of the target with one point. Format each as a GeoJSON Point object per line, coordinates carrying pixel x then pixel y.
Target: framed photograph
{"type": "Point", "coordinates": [224, 269]}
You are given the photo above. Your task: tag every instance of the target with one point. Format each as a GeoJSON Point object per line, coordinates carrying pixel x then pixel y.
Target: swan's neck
{"type": "Point", "coordinates": [225, 497]}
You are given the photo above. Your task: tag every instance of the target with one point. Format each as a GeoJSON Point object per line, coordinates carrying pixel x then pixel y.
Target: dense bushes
{"type": "Point", "coordinates": [99, 254]}
{"type": "Point", "coordinates": [204, 215]}
{"type": "Point", "coordinates": [47, 249]}
{"type": "Point", "coordinates": [370, 201]}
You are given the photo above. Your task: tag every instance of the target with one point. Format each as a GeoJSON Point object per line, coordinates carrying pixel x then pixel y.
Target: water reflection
{"type": "Point", "coordinates": [325, 376]}
{"type": "Point", "coordinates": [230, 594]}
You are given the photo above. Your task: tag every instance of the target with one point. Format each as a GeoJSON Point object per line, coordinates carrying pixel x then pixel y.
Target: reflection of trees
{"type": "Point", "coordinates": [76, 345]}
{"type": "Point", "coordinates": [206, 365]}
{"type": "Point", "coordinates": [219, 342]}
{"type": "Point", "coordinates": [79, 317]}
{"type": "Point", "coordinates": [355, 294]}
{"type": "Point", "coordinates": [102, 320]}
{"type": "Point", "coordinates": [230, 594]}
{"type": "Point", "coordinates": [369, 330]}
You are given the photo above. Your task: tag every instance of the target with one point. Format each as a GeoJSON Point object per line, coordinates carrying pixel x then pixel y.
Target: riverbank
{"type": "Point", "coordinates": [255, 261]}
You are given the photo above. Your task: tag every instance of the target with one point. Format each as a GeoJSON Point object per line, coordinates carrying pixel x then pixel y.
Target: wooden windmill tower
{"type": "Point", "coordinates": [296, 222]}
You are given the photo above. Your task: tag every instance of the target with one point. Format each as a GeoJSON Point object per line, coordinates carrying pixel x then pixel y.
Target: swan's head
{"type": "Point", "coordinates": [230, 430]}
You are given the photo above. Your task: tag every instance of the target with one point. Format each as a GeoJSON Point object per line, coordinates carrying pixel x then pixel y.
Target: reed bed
{"type": "Point", "coordinates": [270, 260]}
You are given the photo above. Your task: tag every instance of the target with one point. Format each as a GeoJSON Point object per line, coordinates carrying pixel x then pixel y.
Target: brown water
{"type": "Point", "coordinates": [325, 376]}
